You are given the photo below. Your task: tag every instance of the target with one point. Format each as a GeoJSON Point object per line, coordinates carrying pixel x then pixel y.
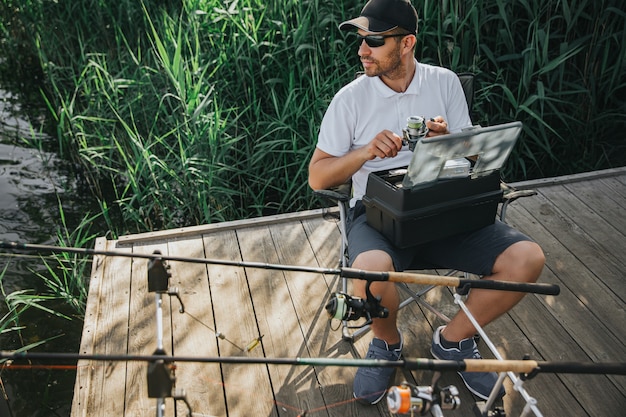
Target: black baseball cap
{"type": "Point", "coordinates": [382, 15]}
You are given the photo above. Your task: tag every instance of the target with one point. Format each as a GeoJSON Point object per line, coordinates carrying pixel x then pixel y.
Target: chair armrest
{"type": "Point", "coordinates": [514, 195]}
{"type": "Point", "coordinates": [340, 193]}
{"type": "Point", "coordinates": [511, 194]}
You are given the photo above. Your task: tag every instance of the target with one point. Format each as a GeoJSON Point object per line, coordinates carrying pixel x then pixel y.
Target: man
{"type": "Point", "coordinates": [360, 133]}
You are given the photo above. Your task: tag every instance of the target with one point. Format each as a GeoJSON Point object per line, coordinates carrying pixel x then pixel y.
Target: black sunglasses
{"type": "Point", "coordinates": [374, 41]}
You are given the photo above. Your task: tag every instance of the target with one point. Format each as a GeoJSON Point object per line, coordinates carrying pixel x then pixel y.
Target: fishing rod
{"type": "Point", "coordinates": [526, 366]}
{"type": "Point", "coordinates": [405, 277]}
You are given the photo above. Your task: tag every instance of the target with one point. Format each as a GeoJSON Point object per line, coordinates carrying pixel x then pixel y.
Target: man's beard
{"type": "Point", "coordinates": [390, 67]}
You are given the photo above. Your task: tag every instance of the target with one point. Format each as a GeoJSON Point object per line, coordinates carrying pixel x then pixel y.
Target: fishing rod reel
{"type": "Point", "coordinates": [415, 130]}
{"type": "Point", "coordinates": [342, 306]}
{"type": "Point", "coordinates": [412, 399]}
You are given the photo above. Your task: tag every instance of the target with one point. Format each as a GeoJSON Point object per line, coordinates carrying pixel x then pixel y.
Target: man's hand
{"type": "Point", "coordinates": [326, 170]}
{"type": "Point", "coordinates": [385, 144]}
{"type": "Point", "coordinates": [437, 126]}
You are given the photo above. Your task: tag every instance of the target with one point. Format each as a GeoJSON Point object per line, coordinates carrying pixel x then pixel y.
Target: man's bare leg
{"type": "Point", "coordinates": [521, 262]}
{"type": "Point", "coordinates": [376, 260]}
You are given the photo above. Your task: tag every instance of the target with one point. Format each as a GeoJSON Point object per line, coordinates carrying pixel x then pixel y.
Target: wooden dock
{"type": "Point", "coordinates": [578, 220]}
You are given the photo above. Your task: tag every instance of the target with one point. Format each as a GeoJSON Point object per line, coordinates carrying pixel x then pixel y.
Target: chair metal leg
{"type": "Point", "coordinates": [417, 298]}
{"type": "Point", "coordinates": [531, 403]}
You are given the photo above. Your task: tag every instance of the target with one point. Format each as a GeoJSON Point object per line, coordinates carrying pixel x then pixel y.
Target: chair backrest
{"type": "Point", "coordinates": [467, 83]}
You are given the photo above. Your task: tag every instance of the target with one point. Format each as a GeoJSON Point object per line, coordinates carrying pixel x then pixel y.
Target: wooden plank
{"type": "Point", "coordinates": [84, 372]}
{"type": "Point", "coordinates": [605, 223]}
{"type": "Point", "coordinates": [110, 338]}
{"type": "Point", "coordinates": [602, 201]}
{"type": "Point", "coordinates": [551, 394]}
{"type": "Point", "coordinates": [565, 179]}
{"type": "Point", "coordinates": [588, 216]}
{"type": "Point", "coordinates": [596, 394]}
{"type": "Point", "coordinates": [616, 190]}
{"type": "Point", "coordinates": [195, 231]}
{"type": "Point", "coordinates": [540, 327]}
{"type": "Point", "coordinates": [142, 333]}
{"type": "Point", "coordinates": [194, 334]}
{"type": "Point", "coordinates": [595, 256]}
{"type": "Point", "coordinates": [519, 333]}
{"type": "Point", "coordinates": [309, 294]}
{"type": "Point", "coordinates": [247, 387]}
{"type": "Point", "coordinates": [295, 387]}
{"type": "Point", "coordinates": [577, 306]}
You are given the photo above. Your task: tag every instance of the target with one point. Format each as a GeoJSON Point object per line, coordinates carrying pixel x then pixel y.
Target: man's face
{"type": "Point", "coordinates": [382, 60]}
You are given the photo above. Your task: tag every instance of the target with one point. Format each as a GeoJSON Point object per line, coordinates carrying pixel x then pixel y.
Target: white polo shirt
{"type": "Point", "coordinates": [366, 106]}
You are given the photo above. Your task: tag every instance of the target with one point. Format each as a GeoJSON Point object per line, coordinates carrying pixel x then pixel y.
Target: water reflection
{"type": "Point", "coordinates": [31, 182]}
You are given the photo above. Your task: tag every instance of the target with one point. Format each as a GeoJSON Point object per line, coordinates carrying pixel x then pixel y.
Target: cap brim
{"type": "Point", "coordinates": [367, 24]}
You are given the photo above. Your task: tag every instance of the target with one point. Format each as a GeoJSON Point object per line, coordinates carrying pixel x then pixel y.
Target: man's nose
{"type": "Point", "coordinates": [364, 48]}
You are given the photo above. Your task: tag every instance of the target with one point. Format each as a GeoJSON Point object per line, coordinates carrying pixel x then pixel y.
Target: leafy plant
{"type": "Point", "coordinates": [67, 273]}
{"type": "Point", "coordinates": [202, 111]}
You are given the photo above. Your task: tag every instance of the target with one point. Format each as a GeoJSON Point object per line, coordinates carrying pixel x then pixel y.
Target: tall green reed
{"type": "Point", "coordinates": [16, 303]}
{"type": "Point", "coordinates": [209, 111]}
{"type": "Point", "coordinates": [208, 117]}
{"type": "Point", "coordinates": [10, 313]}
{"type": "Point", "coordinates": [556, 66]}
{"type": "Point", "coordinates": [67, 274]}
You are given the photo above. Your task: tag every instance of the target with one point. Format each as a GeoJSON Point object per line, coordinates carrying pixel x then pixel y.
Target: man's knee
{"type": "Point", "coordinates": [373, 260]}
{"type": "Point", "coordinates": [522, 261]}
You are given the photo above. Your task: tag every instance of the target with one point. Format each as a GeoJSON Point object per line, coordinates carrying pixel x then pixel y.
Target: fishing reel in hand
{"type": "Point", "coordinates": [415, 130]}
{"type": "Point", "coordinates": [342, 306]}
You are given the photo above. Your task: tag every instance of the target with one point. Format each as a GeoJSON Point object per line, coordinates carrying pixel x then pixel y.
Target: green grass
{"type": "Point", "coordinates": [200, 111]}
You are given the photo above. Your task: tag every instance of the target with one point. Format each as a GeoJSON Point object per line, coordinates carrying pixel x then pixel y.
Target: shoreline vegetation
{"type": "Point", "coordinates": [187, 112]}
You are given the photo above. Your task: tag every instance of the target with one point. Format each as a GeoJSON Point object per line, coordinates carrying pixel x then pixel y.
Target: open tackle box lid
{"type": "Point", "coordinates": [489, 147]}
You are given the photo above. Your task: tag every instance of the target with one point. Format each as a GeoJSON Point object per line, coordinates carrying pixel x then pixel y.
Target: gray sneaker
{"type": "Point", "coordinates": [370, 383]}
{"type": "Point", "coordinates": [479, 383]}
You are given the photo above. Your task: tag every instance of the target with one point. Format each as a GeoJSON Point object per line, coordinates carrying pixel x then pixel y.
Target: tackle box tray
{"type": "Point", "coordinates": [433, 211]}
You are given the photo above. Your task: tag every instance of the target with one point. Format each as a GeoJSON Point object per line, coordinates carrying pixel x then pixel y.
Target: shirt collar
{"type": "Point", "coordinates": [414, 87]}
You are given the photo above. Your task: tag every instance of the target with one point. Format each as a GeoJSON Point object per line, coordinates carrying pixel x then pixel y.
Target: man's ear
{"type": "Point", "coordinates": [408, 42]}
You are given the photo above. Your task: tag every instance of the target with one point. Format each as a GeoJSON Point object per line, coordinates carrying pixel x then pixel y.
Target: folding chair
{"type": "Point", "coordinates": [341, 195]}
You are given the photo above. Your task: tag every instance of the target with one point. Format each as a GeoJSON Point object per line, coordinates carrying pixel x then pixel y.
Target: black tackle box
{"type": "Point", "coordinates": [433, 211]}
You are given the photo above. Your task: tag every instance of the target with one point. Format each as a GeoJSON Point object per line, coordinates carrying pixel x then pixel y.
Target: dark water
{"type": "Point", "coordinates": [32, 182]}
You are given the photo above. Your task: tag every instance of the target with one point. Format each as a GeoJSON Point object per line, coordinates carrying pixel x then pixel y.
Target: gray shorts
{"type": "Point", "coordinates": [474, 252]}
